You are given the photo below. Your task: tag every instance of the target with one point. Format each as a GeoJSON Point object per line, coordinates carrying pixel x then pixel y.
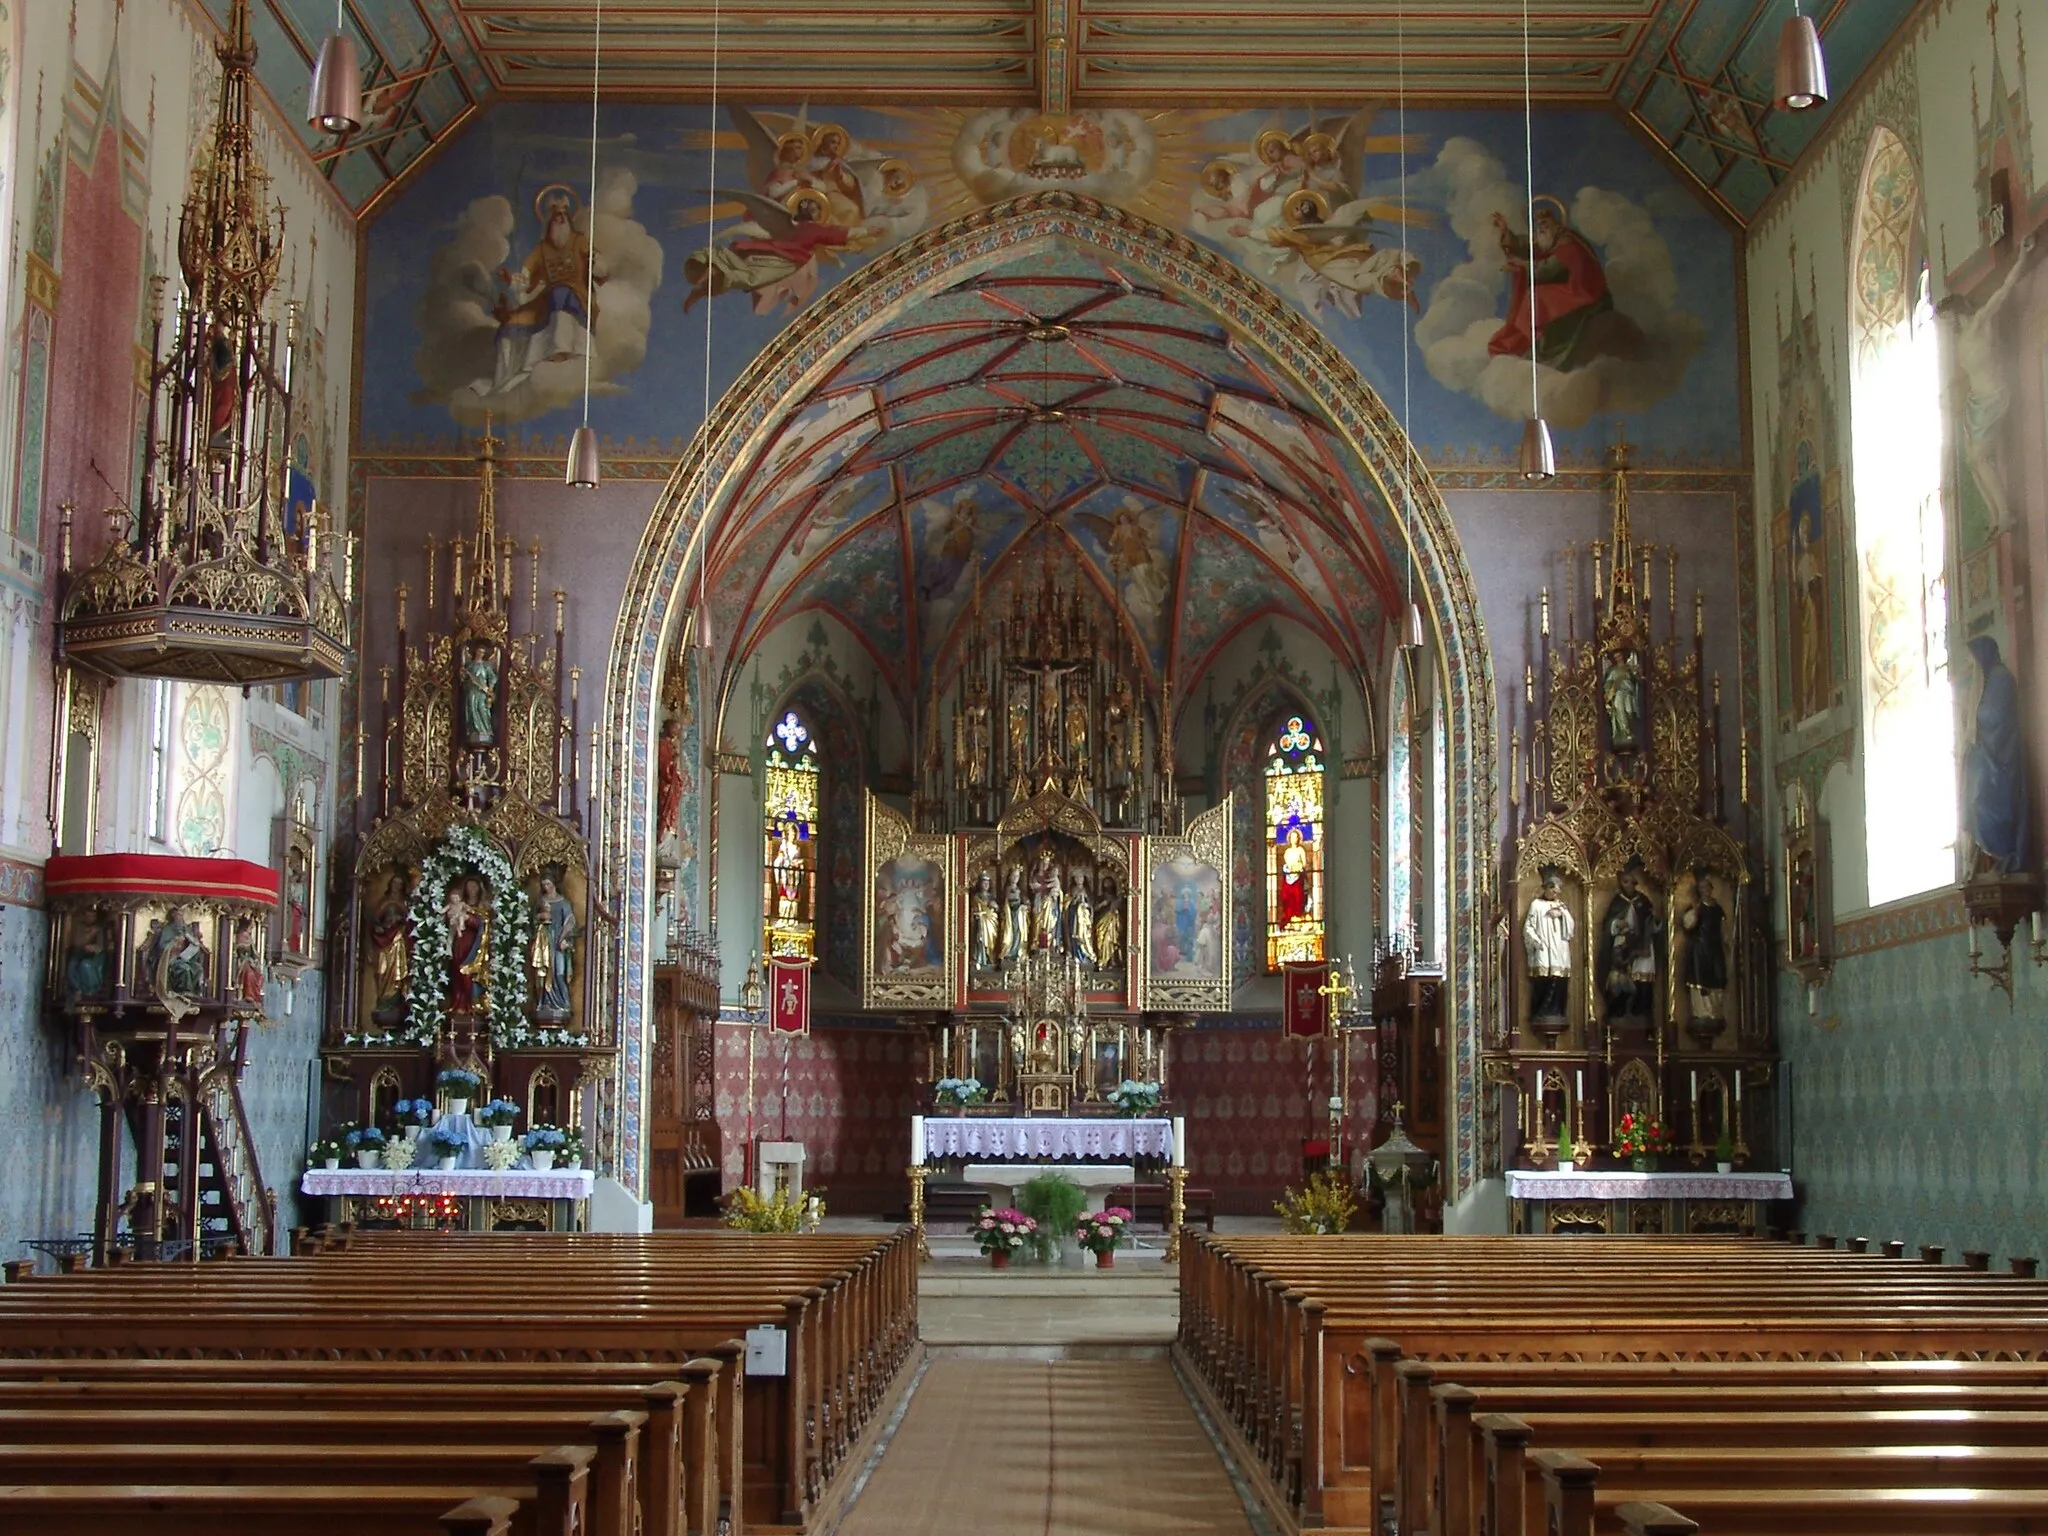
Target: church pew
{"type": "Point", "coordinates": [179, 1509]}
{"type": "Point", "coordinates": [1576, 1504]}
{"type": "Point", "coordinates": [1238, 1321]}
{"type": "Point", "coordinates": [848, 1335]}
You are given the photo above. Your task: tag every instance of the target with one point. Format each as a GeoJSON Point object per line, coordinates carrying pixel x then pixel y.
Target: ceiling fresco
{"type": "Point", "coordinates": [1693, 74]}
{"type": "Point", "coordinates": [1054, 412]}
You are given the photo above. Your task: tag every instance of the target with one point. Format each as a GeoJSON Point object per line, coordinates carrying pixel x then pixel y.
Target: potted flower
{"type": "Point", "coordinates": [1724, 1149]}
{"type": "Point", "coordinates": [401, 1153]}
{"type": "Point", "coordinates": [542, 1143]}
{"type": "Point", "coordinates": [999, 1234]}
{"type": "Point", "coordinates": [958, 1093]}
{"type": "Point", "coordinates": [498, 1116]}
{"type": "Point", "coordinates": [324, 1153]}
{"type": "Point", "coordinates": [1133, 1099]}
{"type": "Point", "coordinates": [1102, 1233]}
{"type": "Point", "coordinates": [1639, 1138]}
{"type": "Point", "coordinates": [413, 1116]}
{"type": "Point", "coordinates": [444, 1146]}
{"type": "Point", "coordinates": [459, 1085]}
{"type": "Point", "coordinates": [366, 1142]}
{"type": "Point", "coordinates": [571, 1155]}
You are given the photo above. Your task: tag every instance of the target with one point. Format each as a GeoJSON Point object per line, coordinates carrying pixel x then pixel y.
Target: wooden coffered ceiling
{"type": "Point", "coordinates": [1693, 74]}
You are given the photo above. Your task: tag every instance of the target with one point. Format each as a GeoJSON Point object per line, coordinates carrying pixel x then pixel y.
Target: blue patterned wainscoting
{"type": "Point", "coordinates": [1917, 1101]}
{"type": "Point", "coordinates": [276, 1089]}
{"type": "Point", "coordinates": [48, 1121]}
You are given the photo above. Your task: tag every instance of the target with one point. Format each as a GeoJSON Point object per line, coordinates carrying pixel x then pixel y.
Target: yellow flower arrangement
{"type": "Point", "coordinates": [785, 1211]}
{"type": "Point", "coordinates": [1324, 1205]}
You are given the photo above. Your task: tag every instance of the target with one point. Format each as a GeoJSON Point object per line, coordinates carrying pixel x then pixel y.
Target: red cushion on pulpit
{"type": "Point", "coordinates": [159, 874]}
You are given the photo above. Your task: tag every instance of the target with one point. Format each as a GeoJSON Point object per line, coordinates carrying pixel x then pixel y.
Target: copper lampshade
{"type": "Point", "coordinates": [1802, 74]}
{"type": "Point", "coordinates": [583, 465]}
{"type": "Point", "coordinates": [1537, 458]}
{"type": "Point", "coordinates": [335, 104]}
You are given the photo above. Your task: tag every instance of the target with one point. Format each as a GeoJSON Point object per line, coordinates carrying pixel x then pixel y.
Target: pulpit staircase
{"type": "Point", "coordinates": [213, 1190]}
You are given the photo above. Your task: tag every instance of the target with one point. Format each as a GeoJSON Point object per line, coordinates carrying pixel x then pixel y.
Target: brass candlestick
{"type": "Point", "coordinates": [1582, 1149]}
{"type": "Point", "coordinates": [917, 1178]}
{"type": "Point", "coordinates": [1176, 1210]}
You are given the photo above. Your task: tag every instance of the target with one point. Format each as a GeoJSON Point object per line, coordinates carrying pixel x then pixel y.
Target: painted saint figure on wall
{"type": "Point", "coordinates": [1806, 556]}
{"type": "Point", "coordinates": [1560, 300]}
{"type": "Point", "coordinates": [546, 308]}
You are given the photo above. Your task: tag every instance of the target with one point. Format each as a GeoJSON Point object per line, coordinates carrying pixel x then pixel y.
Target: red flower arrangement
{"type": "Point", "coordinates": [1642, 1135]}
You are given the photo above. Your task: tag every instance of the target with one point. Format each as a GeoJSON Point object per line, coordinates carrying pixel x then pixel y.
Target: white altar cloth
{"type": "Point", "coordinates": [512, 1184]}
{"type": "Point", "coordinates": [1548, 1184]}
{"type": "Point", "coordinates": [1045, 1139]}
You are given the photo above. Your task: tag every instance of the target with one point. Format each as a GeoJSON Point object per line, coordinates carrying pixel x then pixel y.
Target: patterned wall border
{"type": "Point", "coordinates": [1910, 923]}
{"type": "Point", "coordinates": [807, 348]}
{"type": "Point", "coordinates": [21, 883]}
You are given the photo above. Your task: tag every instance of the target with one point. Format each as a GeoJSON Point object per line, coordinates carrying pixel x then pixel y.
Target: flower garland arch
{"type": "Point", "coordinates": [467, 851]}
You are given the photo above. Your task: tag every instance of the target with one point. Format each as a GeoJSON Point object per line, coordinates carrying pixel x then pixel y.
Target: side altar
{"type": "Point", "coordinates": [1621, 1202]}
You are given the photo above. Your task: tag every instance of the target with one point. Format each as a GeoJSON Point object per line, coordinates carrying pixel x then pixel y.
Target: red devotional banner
{"type": "Point", "coordinates": [789, 995]}
{"type": "Point", "coordinates": [1305, 1009]}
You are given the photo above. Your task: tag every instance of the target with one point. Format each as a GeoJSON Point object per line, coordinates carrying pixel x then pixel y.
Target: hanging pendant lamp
{"type": "Point", "coordinates": [1537, 458]}
{"type": "Point", "coordinates": [1802, 73]}
{"type": "Point", "coordinates": [583, 467]}
{"type": "Point", "coordinates": [335, 102]}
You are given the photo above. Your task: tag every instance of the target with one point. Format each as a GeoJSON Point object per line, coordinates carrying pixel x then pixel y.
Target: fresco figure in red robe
{"type": "Point", "coordinates": [1559, 295]}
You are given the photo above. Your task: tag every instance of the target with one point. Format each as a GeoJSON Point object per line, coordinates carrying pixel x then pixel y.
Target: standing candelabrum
{"type": "Point", "coordinates": [918, 1173]}
{"type": "Point", "coordinates": [1177, 1183]}
{"type": "Point", "coordinates": [754, 1004]}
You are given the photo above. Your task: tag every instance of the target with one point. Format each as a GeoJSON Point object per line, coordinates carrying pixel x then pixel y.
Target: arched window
{"type": "Point", "coordinates": [1901, 537]}
{"type": "Point", "coordinates": [789, 840]}
{"type": "Point", "coordinates": [1294, 845]}
{"type": "Point", "coordinates": [1400, 816]}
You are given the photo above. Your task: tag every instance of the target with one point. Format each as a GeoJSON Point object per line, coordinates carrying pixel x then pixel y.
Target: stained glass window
{"type": "Point", "coordinates": [1901, 536]}
{"type": "Point", "coordinates": [789, 840]}
{"type": "Point", "coordinates": [1400, 816]}
{"type": "Point", "coordinates": [1294, 845]}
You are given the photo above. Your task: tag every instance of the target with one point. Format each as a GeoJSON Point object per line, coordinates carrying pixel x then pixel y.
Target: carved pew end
{"type": "Point", "coordinates": [487, 1514]}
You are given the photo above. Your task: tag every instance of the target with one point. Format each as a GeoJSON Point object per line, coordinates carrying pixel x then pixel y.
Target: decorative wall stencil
{"type": "Point", "coordinates": [200, 823]}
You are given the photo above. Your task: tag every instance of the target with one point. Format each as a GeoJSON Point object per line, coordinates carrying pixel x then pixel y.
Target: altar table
{"type": "Point", "coordinates": [993, 1138]}
{"type": "Point", "coordinates": [1621, 1202]}
{"type": "Point", "coordinates": [478, 1199]}
{"type": "Point", "coordinates": [1003, 1180]}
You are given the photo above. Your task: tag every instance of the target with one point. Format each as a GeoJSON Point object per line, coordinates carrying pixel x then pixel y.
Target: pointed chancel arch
{"type": "Point", "coordinates": [727, 454]}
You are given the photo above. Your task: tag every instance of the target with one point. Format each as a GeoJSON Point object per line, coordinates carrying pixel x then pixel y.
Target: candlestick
{"type": "Point", "coordinates": [1597, 588]}
{"type": "Point", "coordinates": [1646, 575]}
{"type": "Point", "coordinates": [1717, 690]}
{"type": "Point", "coordinates": [561, 598]}
{"type": "Point", "coordinates": [1742, 790]}
{"type": "Point", "coordinates": [1699, 613]}
{"type": "Point", "coordinates": [1579, 1089]}
{"type": "Point", "coordinates": [400, 593]}
{"type": "Point", "coordinates": [1546, 613]}
{"type": "Point", "coordinates": [575, 683]}
{"type": "Point", "coordinates": [1528, 683]}
{"type": "Point", "coordinates": [533, 589]}
{"type": "Point", "coordinates": [432, 548]}
{"type": "Point", "coordinates": [455, 576]}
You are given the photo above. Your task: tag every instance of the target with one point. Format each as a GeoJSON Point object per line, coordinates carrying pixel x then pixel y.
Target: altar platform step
{"type": "Point", "coordinates": [1044, 1309]}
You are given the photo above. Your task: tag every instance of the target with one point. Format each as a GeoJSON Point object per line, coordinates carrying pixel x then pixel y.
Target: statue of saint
{"type": "Point", "coordinates": [668, 802]}
{"type": "Point", "coordinates": [391, 942]}
{"type": "Point", "coordinates": [85, 957]}
{"type": "Point", "coordinates": [175, 961]}
{"type": "Point", "coordinates": [1048, 906]}
{"type": "Point", "coordinates": [1706, 950]}
{"type": "Point", "coordinates": [246, 962]}
{"type": "Point", "coordinates": [552, 955]}
{"type": "Point", "coordinates": [1109, 928]}
{"type": "Point", "coordinates": [986, 923]}
{"type": "Point", "coordinates": [1628, 949]}
{"type": "Point", "coordinates": [1016, 915]}
{"type": "Point", "coordinates": [479, 695]}
{"type": "Point", "coordinates": [469, 948]}
{"type": "Point", "coordinates": [1621, 687]}
{"type": "Point", "coordinates": [1081, 922]}
{"type": "Point", "coordinates": [1547, 932]}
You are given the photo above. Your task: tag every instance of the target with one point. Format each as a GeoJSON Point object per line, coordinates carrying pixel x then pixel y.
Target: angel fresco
{"type": "Point", "coordinates": [1142, 566]}
{"type": "Point", "coordinates": [814, 195]}
{"type": "Point", "coordinates": [1295, 210]}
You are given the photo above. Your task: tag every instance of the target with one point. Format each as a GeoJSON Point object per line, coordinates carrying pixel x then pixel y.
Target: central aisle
{"type": "Point", "coordinates": [1037, 1447]}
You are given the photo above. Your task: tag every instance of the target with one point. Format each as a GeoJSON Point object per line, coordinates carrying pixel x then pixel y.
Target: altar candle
{"type": "Point", "coordinates": [1738, 1085]}
{"type": "Point", "coordinates": [2034, 926]}
{"type": "Point", "coordinates": [916, 1140]}
{"type": "Point", "coordinates": [1695, 1085]}
{"type": "Point", "coordinates": [1180, 1141]}
{"type": "Point", "coordinates": [1579, 1092]}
